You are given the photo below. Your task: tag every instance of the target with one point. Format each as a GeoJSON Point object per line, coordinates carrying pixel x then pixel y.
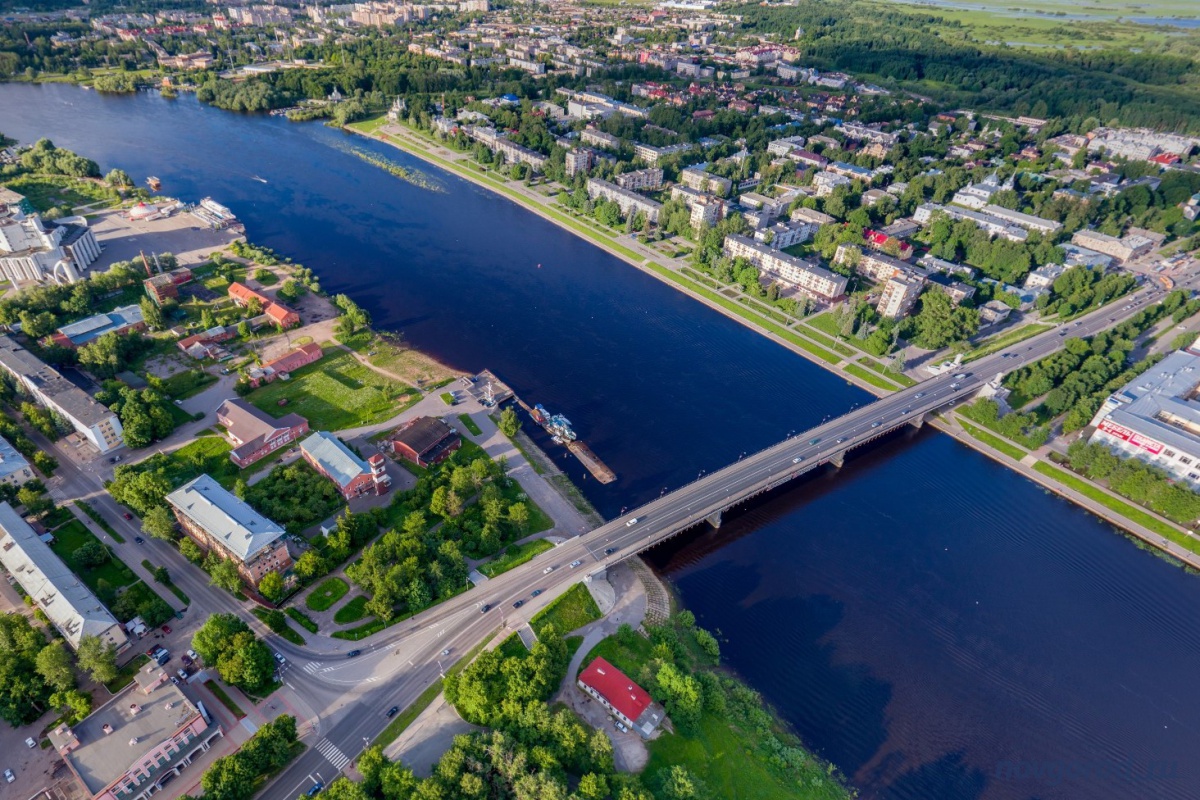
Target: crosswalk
{"type": "Point", "coordinates": [312, 667]}
{"type": "Point", "coordinates": [332, 753]}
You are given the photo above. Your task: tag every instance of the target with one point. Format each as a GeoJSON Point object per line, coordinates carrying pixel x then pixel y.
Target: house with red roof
{"type": "Point", "coordinates": [289, 362]}
{"type": "Point", "coordinates": [276, 313]}
{"type": "Point", "coordinates": [628, 702]}
{"type": "Point", "coordinates": [882, 242]}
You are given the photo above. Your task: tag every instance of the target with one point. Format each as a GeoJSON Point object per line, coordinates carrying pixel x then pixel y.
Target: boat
{"type": "Point", "coordinates": [538, 412]}
{"type": "Point", "coordinates": [154, 183]}
{"type": "Point", "coordinates": [560, 426]}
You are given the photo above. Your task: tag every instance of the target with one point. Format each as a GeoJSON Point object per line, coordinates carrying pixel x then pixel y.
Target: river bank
{"type": "Point", "coordinates": [398, 135]}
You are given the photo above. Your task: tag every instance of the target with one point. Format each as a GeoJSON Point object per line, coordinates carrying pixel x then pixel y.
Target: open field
{"type": "Point", "coordinates": [326, 594]}
{"type": "Point", "coordinates": [571, 611]}
{"type": "Point", "coordinates": [334, 393]}
{"type": "Point", "coordinates": [388, 352]}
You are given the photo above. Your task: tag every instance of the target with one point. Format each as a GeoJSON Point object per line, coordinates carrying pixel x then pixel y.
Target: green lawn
{"type": "Point", "coordinates": [302, 619]}
{"type": "Point", "coordinates": [1130, 512]}
{"type": "Point", "coordinates": [352, 611]}
{"type": "Point", "coordinates": [335, 393]}
{"type": "Point", "coordinates": [187, 384]}
{"type": "Point", "coordinates": [512, 647]}
{"type": "Point", "coordinates": [994, 344]}
{"type": "Point", "coordinates": [571, 611]}
{"type": "Point", "coordinates": [470, 425]}
{"type": "Point", "coordinates": [86, 508]}
{"type": "Point", "coordinates": [329, 592]}
{"type": "Point", "coordinates": [995, 442]}
{"type": "Point", "coordinates": [225, 699]}
{"type": "Point", "coordinates": [870, 377]}
{"type": "Point", "coordinates": [126, 673]}
{"type": "Point", "coordinates": [48, 191]}
{"type": "Point", "coordinates": [514, 556]}
{"type": "Point", "coordinates": [287, 632]}
{"type": "Point", "coordinates": [114, 572]}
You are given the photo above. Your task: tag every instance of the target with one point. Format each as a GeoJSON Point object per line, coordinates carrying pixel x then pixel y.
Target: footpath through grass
{"type": "Point", "coordinates": [470, 425]}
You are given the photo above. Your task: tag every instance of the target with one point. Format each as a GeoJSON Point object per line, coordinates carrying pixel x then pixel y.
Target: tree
{"type": "Point", "coordinates": [78, 703]}
{"type": "Point", "coordinates": [54, 664]}
{"type": "Point", "coordinates": [271, 587]}
{"type": "Point", "coordinates": [152, 314]}
{"type": "Point", "coordinates": [90, 554]}
{"type": "Point", "coordinates": [118, 177]}
{"type": "Point", "coordinates": [159, 523]}
{"type": "Point", "coordinates": [224, 573]}
{"type": "Point", "coordinates": [192, 551]}
{"type": "Point", "coordinates": [509, 422]}
{"type": "Point", "coordinates": [98, 657]}
{"type": "Point", "coordinates": [216, 634]}
{"type": "Point", "coordinates": [518, 515]}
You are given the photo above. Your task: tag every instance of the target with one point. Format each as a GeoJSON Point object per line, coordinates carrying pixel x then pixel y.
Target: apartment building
{"type": "Point", "coordinates": [814, 281]}
{"type": "Point", "coordinates": [629, 202]}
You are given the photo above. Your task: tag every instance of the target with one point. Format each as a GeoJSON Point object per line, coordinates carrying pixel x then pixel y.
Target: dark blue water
{"type": "Point", "coordinates": [931, 622]}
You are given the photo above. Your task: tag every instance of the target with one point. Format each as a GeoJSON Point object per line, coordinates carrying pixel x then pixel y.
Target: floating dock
{"type": "Point", "coordinates": [598, 468]}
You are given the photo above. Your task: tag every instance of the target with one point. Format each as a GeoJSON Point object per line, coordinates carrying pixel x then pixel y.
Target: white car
{"type": "Point", "coordinates": [548, 570]}
{"type": "Point", "coordinates": [8, 776]}
{"type": "Point", "coordinates": [575, 564]}
{"type": "Point", "coordinates": [631, 522]}
{"type": "Point", "coordinates": [30, 743]}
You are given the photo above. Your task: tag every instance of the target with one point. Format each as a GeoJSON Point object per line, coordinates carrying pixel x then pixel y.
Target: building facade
{"type": "Point", "coordinates": [648, 179]}
{"type": "Point", "coordinates": [217, 520]}
{"type": "Point", "coordinates": [615, 691]}
{"type": "Point", "coordinates": [817, 282]}
{"type": "Point", "coordinates": [90, 420]}
{"type": "Point", "coordinates": [37, 250]}
{"type": "Point", "coordinates": [899, 295]}
{"type": "Point", "coordinates": [1156, 418]}
{"type": "Point", "coordinates": [69, 605]}
{"type": "Point", "coordinates": [629, 202]}
{"type": "Point", "coordinates": [424, 441]}
{"type": "Point", "coordinates": [255, 434]}
{"type": "Point", "coordinates": [126, 319]}
{"type": "Point", "coordinates": [354, 477]}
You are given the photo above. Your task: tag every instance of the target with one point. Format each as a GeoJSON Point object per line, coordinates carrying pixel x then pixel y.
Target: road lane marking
{"type": "Point", "coordinates": [332, 754]}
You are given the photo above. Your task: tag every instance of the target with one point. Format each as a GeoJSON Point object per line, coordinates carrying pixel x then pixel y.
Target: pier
{"type": "Point", "coordinates": [600, 471]}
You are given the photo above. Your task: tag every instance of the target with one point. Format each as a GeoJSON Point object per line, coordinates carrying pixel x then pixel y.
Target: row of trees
{"type": "Point", "coordinates": [1140, 482]}
{"type": "Point", "coordinates": [145, 414]}
{"type": "Point", "coordinates": [36, 675]}
{"type": "Point", "coordinates": [240, 657]}
{"type": "Point", "coordinates": [236, 776]}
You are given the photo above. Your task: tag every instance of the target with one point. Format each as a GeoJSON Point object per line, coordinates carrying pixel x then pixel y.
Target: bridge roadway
{"type": "Point", "coordinates": [352, 694]}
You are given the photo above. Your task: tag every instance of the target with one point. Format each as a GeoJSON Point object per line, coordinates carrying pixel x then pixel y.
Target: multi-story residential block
{"type": "Point", "coordinates": [92, 421]}
{"type": "Point", "coordinates": [651, 154]}
{"type": "Point", "coordinates": [14, 468]}
{"type": "Point", "coordinates": [814, 281]}
{"type": "Point", "coordinates": [69, 605]}
{"type": "Point", "coordinates": [629, 202]}
{"type": "Point", "coordinates": [877, 240]}
{"type": "Point", "coordinates": [133, 745]}
{"type": "Point", "coordinates": [648, 179]}
{"type": "Point", "coordinates": [825, 182]}
{"type": "Point", "coordinates": [696, 177]}
{"type": "Point", "coordinates": [899, 294]}
{"type": "Point", "coordinates": [977, 195]}
{"type": "Point", "coordinates": [852, 130]}
{"type": "Point", "coordinates": [811, 219]}
{"type": "Point", "coordinates": [781, 235]}
{"type": "Point", "coordinates": [354, 477]}
{"type": "Point", "coordinates": [1124, 249]}
{"type": "Point", "coordinates": [1044, 277]}
{"type": "Point", "coordinates": [1026, 221]}
{"type": "Point", "coordinates": [577, 162]}
{"type": "Point", "coordinates": [254, 433]}
{"type": "Point", "coordinates": [993, 225]}
{"type": "Point", "coordinates": [126, 319]}
{"type": "Point", "coordinates": [424, 441]}
{"type": "Point", "coordinates": [598, 138]}
{"type": "Point", "coordinates": [505, 147]}
{"type": "Point", "coordinates": [217, 520]}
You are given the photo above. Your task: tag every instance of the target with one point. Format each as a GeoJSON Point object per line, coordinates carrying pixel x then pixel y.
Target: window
{"type": "Point", "coordinates": [1169, 453]}
{"type": "Point", "coordinates": [1184, 460]}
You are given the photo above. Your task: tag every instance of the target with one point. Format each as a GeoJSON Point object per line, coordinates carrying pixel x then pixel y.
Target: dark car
{"type": "Point", "coordinates": [518, 604]}
{"type": "Point", "coordinates": [536, 592]}
{"type": "Point", "coordinates": [608, 551]}
{"type": "Point", "coordinates": [353, 653]}
{"type": "Point", "coordinates": [316, 789]}
{"type": "Point", "coordinates": [139, 540]}
{"type": "Point", "coordinates": [166, 628]}
{"type": "Point", "coordinates": [486, 608]}
{"type": "Point", "coordinates": [393, 711]}
{"type": "Point", "coordinates": [127, 515]}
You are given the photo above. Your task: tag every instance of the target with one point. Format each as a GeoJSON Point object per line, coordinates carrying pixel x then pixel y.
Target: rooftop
{"type": "Point", "coordinates": [66, 395]}
{"type": "Point", "coordinates": [1163, 402]}
{"type": "Point", "coordinates": [240, 528]}
{"type": "Point", "coordinates": [10, 460]}
{"type": "Point", "coordinates": [102, 757]}
{"type": "Point", "coordinates": [422, 434]}
{"type": "Point", "coordinates": [336, 460]}
{"type": "Point", "coordinates": [617, 688]}
{"type": "Point", "coordinates": [85, 330]}
{"type": "Point", "coordinates": [70, 605]}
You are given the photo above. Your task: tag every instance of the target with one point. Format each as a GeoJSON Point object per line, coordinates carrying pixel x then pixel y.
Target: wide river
{"type": "Point", "coordinates": [935, 625]}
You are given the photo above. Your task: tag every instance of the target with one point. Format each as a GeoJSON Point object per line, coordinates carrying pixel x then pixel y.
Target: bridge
{"type": "Point", "coordinates": [350, 694]}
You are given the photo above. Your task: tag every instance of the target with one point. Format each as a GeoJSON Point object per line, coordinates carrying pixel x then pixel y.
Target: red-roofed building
{"type": "Point", "coordinates": [277, 313]}
{"type": "Point", "coordinates": [1165, 159]}
{"type": "Point", "coordinates": [881, 241]}
{"type": "Point", "coordinates": [629, 703]}
{"type": "Point", "coordinates": [288, 362]}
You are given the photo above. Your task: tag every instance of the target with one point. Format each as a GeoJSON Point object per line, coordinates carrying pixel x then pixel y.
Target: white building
{"type": "Point", "coordinates": [825, 182]}
{"type": "Point", "coordinates": [977, 195]}
{"type": "Point", "coordinates": [696, 177]}
{"type": "Point", "coordinates": [1156, 418]}
{"type": "Point", "coordinates": [1044, 277]}
{"type": "Point", "coordinates": [649, 179]}
{"type": "Point", "coordinates": [14, 469]}
{"type": "Point", "coordinates": [33, 249]}
{"type": "Point", "coordinates": [577, 162]}
{"type": "Point", "coordinates": [782, 235]}
{"type": "Point", "coordinates": [598, 138]}
{"type": "Point", "coordinates": [90, 420]}
{"type": "Point", "coordinates": [651, 154]}
{"type": "Point", "coordinates": [993, 225]}
{"type": "Point", "coordinates": [811, 219]}
{"type": "Point", "coordinates": [899, 295]}
{"type": "Point", "coordinates": [56, 590]}
{"type": "Point", "coordinates": [509, 150]}
{"type": "Point", "coordinates": [814, 281]}
{"type": "Point", "coordinates": [1123, 249]}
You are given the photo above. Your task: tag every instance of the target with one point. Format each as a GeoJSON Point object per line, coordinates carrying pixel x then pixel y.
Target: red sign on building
{"type": "Point", "coordinates": [1135, 439]}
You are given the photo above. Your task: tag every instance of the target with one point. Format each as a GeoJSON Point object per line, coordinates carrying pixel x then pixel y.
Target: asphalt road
{"type": "Point", "coordinates": [398, 664]}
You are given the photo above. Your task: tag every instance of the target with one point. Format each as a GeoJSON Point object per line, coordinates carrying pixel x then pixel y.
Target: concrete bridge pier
{"type": "Point", "coordinates": [838, 459]}
{"type": "Point", "coordinates": [598, 574]}
{"type": "Point", "coordinates": [714, 519]}
{"type": "Point", "coordinates": [918, 421]}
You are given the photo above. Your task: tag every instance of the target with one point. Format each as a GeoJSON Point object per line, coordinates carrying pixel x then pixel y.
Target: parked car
{"type": "Point", "coordinates": [187, 661]}
{"type": "Point", "coordinates": [192, 655]}
{"type": "Point", "coordinates": [8, 776]}
{"type": "Point", "coordinates": [182, 673]}
{"type": "Point", "coordinates": [166, 628]}
{"type": "Point", "coordinates": [30, 743]}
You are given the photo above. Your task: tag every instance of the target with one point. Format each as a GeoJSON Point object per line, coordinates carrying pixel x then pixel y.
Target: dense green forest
{"type": "Point", "coordinates": [902, 47]}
